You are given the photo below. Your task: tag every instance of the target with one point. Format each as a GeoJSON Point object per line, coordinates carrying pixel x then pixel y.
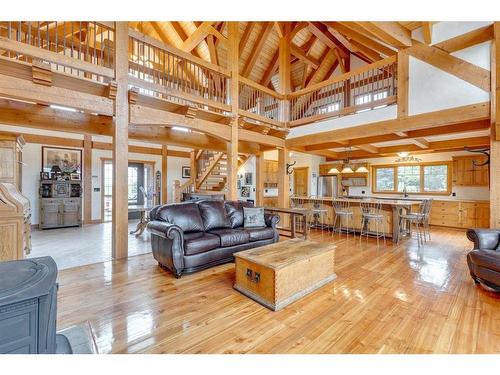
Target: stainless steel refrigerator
{"type": "Point", "coordinates": [327, 186]}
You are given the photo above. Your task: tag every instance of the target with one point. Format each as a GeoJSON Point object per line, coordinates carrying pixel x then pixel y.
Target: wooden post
{"type": "Point", "coordinates": [194, 166]}
{"type": "Point", "coordinates": [283, 179]}
{"type": "Point", "coordinates": [87, 178]}
{"type": "Point", "coordinates": [164, 170]}
{"type": "Point", "coordinates": [284, 76]}
{"type": "Point", "coordinates": [232, 146]}
{"type": "Point", "coordinates": [285, 89]}
{"type": "Point", "coordinates": [495, 130]}
{"type": "Point", "coordinates": [259, 179]}
{"type": "Point", "coordinates": [120, 145]}
{"type": "Point", "coordinates": [403, 83]}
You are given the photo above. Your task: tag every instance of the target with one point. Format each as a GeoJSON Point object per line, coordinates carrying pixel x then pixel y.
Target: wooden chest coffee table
{"type": "Point", "coordinates": [279, 274]}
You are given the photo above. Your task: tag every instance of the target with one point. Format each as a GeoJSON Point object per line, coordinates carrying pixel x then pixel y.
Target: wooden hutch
{"type": "Point", "coordinates": [15, 211]}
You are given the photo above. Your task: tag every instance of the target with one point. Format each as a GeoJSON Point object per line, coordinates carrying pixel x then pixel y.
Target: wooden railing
{"type": "Point", "coordinates": [259, 102]}
{"type": "Point", "coordinates": [365, 88]}
{"type": "Point", "coordinates": [86, 50]}
{"type": "Point", "coordinates": [174, 75]}
{"type": "Point", "coordinates": [82, 48]}
{"type": "Point", "coordinates": [179, 189]}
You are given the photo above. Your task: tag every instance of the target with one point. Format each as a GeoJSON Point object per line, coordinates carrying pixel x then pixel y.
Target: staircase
{"type": "Point", "coordinates": [212, 171]}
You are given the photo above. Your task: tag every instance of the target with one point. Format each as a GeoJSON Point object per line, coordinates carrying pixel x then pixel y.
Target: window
{"type": "Point", "coordinates": [332, 107]}
{"type": "Point", "coordinates": [368, 98]}
{"type": "Point", "coordinates": [384, 178]}
{"type": "Point", "coordinates": [132, 185]}
{"type": "Point", "coordinates": [409, 178]}
{"type": "Point", "coordinates": [435, 178]}
{"type": "Point", "coordinates": [424, 178]}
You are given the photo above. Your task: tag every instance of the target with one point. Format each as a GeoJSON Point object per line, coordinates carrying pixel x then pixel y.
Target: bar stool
{"type": "Point", "coordinates": [299, 203]}
{"type": "Point", "coordinates": [342, 209]}
{"type": "Point", "coordinates": [371, 211]}
{"type": "Point", "coordinates": [318, 213]}
{"type": "Point", "coordinates": [419, 219]}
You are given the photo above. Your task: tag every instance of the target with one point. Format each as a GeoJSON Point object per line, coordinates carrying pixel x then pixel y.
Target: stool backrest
{"type": "Point", "coordinates": [427, 206]}
{"type": "Point", "coordinates": [370, 207]}
{"type": "Point", "coordinates": [340, 205]}
{"type": "Point", "coordinates": [317, 201]}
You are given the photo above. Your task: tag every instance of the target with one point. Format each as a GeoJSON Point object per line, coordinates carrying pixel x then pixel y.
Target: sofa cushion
{"type": "Point", "coordinates": [234, 210]}
{"type": "Point", "coordinates": [200, 242]}
{"type": "Point", "coordinates": [257, 234]}
{"type": "Point", "coordinates": [214, 215]}
{"type": "Point", "coordinates": [253, 217]}
{"type": "Point", "coordinates": [231, 237]}
{"type": "Point", "coordinates": [185, 215]}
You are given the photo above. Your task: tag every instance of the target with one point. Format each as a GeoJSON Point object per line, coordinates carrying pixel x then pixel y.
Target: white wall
{"type": "Point", "coordinates": [462, 192]}
{"type": "Point", "coordinates": [430, 89]}
{"type": "Point", "coordinates": [32, 157]}
{"type": "Point", "coordinates": [248, 167]}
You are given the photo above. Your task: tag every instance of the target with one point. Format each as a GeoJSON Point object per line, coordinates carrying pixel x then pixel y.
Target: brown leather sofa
{"type": "Point", "coordinates": [484, 259]}
{"type": "Point", "coordinates": [191, 236]}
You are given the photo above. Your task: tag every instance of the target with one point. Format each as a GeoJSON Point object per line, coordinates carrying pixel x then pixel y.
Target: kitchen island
{"type": "Point", "coordinates": [391, 209]}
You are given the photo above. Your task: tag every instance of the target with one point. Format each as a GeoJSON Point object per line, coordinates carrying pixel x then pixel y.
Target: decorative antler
{"type": "Point", "coordinates": [485, 151]}
{"type": "Point", "coordinates": [289, 166]}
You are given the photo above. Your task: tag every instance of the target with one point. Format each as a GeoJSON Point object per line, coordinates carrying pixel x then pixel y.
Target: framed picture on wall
{"type": "Point", "coordinates": [238, 185]}
{"type": "Point", "coordinates": [245, 191]}
{"type": "Point", "coordinates": [75, 177]}
{"type": "Point", "coordinates": [248, 178]}
{"type": "Point", "coordinates": [186, 172]}
{"type": "Point", "coordinates": [66, 159]}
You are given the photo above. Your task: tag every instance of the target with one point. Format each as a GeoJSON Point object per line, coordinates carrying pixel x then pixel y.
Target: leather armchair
{"type": "Point", "coordinates": [484, 259]}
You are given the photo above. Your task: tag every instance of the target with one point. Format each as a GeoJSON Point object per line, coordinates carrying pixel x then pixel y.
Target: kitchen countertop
{"type": "Point", "coordinates": [386, 201]}
{"type": "Point", "coordinates": [414, 199]}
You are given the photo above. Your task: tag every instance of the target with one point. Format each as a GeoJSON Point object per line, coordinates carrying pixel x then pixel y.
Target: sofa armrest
{"type": "Point", "coordinates": [272, 220]}
{"type": "Point", "coordinates": [165, 230]}
{"type": "Point", "coordinates": [167, 244]}
{"type": "Point", "coordinates": [486, 239]}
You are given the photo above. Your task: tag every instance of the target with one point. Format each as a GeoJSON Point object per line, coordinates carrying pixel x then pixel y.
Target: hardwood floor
{"type": "Point", "coordinates": [386, 299]}
{"type": "Point", "coordinates": [78, 246]}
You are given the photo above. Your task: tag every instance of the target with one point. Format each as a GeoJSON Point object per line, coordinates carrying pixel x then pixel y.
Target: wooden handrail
{"type": "Point", "coordinates": [262, 88]}
{"type": "Point", "coordinates": [342, 77]}
{"type": "Point", "coordinates": [175, 51]}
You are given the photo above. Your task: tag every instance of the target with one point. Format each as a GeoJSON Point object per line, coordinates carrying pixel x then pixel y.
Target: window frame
{"type": "Point", "coordinates": [422, 178]}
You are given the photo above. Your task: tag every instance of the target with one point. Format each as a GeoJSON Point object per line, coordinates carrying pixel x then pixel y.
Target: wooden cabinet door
{"type": "Point", "coordinates": [300, 181]}
{"type": "Point", "coordinates": [71, 213]}
{"type": "Point", "coordinates": [482, 215]}
{"type": "Point", "coordinates": [481, 172]}
{"type": "Point", "coordinates": [467, 215]}
{"type": "Point", "coordinates": [50, 213]}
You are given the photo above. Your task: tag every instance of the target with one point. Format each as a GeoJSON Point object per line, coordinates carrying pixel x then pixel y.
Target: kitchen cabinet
{"type": "Point", "coordinates": [460, 214]}
{"type": "Point", "coordinates": [465, 173]}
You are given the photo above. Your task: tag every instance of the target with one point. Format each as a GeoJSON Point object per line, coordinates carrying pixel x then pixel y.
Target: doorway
{"type": "Point", "coordinates": [140, 183]}
{"type": "Point", "coordinates": [301, 181]}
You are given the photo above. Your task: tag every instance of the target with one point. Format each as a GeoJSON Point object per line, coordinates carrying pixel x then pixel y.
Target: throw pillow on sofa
{"type": "Point", "coordinates": [253, 217]}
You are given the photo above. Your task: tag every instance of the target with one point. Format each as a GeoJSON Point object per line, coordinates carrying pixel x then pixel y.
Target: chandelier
{"type": "Point", "coordinates": [405, 157]}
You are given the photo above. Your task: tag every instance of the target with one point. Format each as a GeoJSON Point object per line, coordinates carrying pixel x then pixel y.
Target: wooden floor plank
{"type": "Point", "coordinates": [386, 299]}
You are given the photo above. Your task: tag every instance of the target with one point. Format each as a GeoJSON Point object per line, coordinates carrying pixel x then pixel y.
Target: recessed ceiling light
{"type": "Point", "coordinates": [180, 128]}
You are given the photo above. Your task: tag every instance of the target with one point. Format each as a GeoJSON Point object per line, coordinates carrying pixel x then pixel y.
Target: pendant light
{"type": "Point", "coordinates": [405, 157]}
{"type": "Point", "coordinates": [347, 167]}
{"type": "Point", "coordinates": [333, 170]}
{"type": "Point", "coordinates": [362, 169]}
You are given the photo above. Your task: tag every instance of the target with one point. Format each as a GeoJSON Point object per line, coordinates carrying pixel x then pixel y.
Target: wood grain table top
{"type": "Point", "coordinates": [284, 253]}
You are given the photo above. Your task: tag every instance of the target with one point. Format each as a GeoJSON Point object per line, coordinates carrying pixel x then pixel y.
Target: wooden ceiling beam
{"type": "Point", "coordinates": [303, 56]}
{"type": "Point", "coordinates": [468, 113]}
{"type": "Point", "coordinates": [427, 32]}
{"type": "Point", "coordinates": [246, 35]}
{"type": "Point", "coordinates": [197, 36]}
{"type": "Point", "coordinates": [323, 35]}
{"type": "Point", "coordinates": [390, 32]}
{"type": "Point", "coordinates": [420, 142]}
{"type": "Point", "coordinates": [462, 69]}
{"type": "Point", "coordinates": [361, 39]}
{"type": "Point", "coordinates": [257, 48]}
{"type": "Point", "coordinates": [271, 69]}
{"type": "Point", "coordinates": [469, 39]}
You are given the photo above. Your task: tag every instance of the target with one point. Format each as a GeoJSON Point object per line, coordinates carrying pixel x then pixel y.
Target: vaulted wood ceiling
{"type": "Point", "coordinates": [318, 48]}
